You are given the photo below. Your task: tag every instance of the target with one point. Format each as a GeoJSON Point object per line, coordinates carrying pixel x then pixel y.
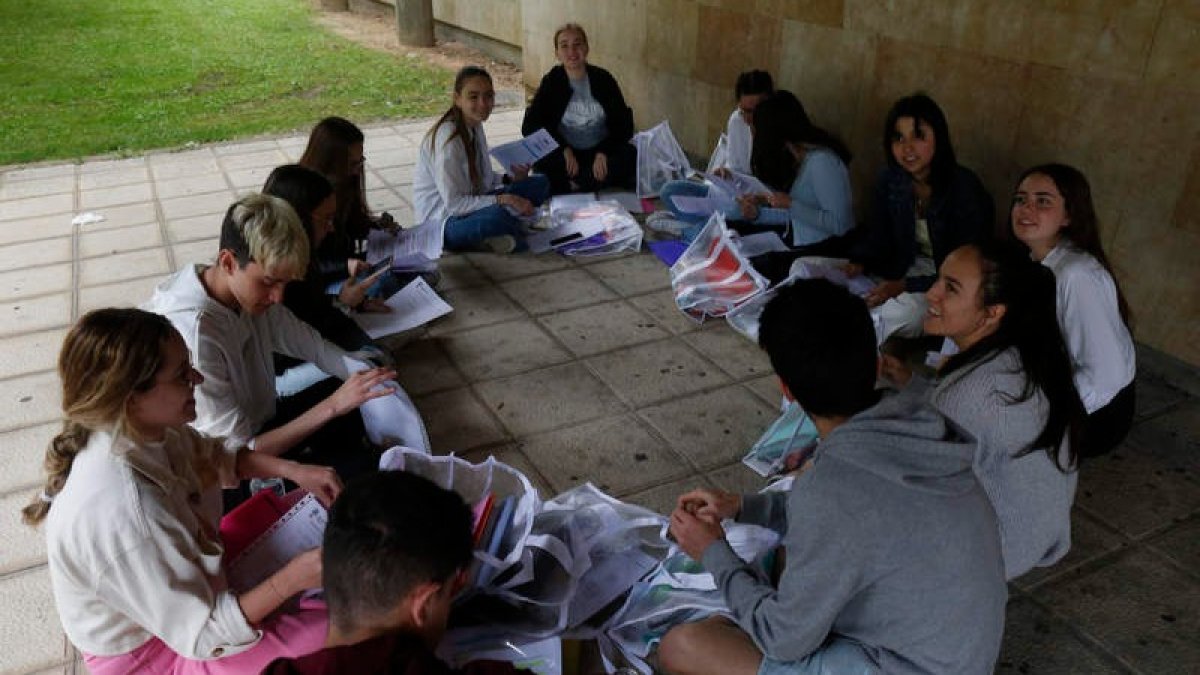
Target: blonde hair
{"type": "Point", "coordinates": [571, 27]}
{"type": "Point", "coordinates": [265, 229]}
{"type": "Point", "coordinates": [107, 357]}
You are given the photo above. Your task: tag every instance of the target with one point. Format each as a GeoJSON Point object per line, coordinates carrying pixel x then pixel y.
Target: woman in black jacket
{"type": "Point", "coordinates": [581, 106]}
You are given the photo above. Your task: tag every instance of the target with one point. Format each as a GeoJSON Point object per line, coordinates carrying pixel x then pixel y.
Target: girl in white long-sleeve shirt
{"type": "Point", "coordinates": [132, 502]}
{"type": "Point", "coordinates": [454, 182]}
{"type": "Point", "coordinates": [1053, 214]}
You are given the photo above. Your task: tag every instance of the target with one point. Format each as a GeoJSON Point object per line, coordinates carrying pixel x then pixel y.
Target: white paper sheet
{"type": "Point", "coordinates": [525, 151]}
{"type": "Point", "coordinates": [424, 240]}
{"type": "Point", "coordinates": [759, 243]}
{"type": "Point", "coordinates": [414, 305]}
{"type": "Point", "coordinates": [297, 531]}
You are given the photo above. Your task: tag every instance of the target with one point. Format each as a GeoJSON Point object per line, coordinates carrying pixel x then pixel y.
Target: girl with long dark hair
{"type": "Point", "coordinates": [454, 182]}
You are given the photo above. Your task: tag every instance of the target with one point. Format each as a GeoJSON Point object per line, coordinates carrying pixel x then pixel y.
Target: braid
{"type": "Point", "coordinates": [60, 456]}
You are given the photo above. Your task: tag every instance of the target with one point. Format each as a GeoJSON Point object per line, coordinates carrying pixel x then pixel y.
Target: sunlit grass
{"type": "Point", "coordinates": [85, 78]}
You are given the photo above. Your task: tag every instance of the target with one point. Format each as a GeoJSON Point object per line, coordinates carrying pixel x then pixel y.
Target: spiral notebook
{"type": "Point", "coordinates": [296, 531]}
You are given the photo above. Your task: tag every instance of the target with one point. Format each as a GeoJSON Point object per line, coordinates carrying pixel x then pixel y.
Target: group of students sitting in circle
{"type": "Point", "coordinates": [900, 535]}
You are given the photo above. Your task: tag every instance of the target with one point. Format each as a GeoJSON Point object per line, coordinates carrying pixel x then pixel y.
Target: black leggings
{"type": "Point", "coordinates": [622, 170]}
{"type": "Point", "coordinates": [1108, 426]}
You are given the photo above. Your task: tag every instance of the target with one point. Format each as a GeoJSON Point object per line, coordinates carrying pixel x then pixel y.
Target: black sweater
{"type": "Point", "coordinates": [554, 93]}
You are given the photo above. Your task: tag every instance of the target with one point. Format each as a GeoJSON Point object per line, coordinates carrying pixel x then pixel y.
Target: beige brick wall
{"type": "Point", "coordinates": [1112, 86]}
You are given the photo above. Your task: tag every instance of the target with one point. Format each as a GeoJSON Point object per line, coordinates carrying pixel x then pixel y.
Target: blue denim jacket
{"type": "Point", "coordinates": [961, 213]}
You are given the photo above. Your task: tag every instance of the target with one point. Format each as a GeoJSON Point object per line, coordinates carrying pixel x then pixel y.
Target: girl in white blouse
{"type": "Point", "coordinates": [1053, 214]}
{"type": "Point", "coordinates": [454, 182]}
{"type": "Point", "coordinates": [132, 504]}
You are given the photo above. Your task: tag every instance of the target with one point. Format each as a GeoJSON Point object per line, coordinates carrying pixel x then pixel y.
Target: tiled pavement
{"type": "Point", "coordinates": [569, 370]}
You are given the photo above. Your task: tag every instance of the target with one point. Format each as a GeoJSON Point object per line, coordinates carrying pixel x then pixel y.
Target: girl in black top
{"type": "Point", "coordinates": [581, 106]}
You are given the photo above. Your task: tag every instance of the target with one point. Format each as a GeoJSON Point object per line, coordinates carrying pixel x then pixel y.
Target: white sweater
{"type": "Point", "coordinates": [442, 184]}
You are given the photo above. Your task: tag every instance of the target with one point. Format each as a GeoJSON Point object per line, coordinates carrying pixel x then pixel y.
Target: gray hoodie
{"type": "Point", "coordinates": [890, 541]}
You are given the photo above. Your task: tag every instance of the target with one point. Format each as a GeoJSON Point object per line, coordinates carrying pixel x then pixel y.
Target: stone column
{"type": "Point", "coordinates": [414, 22]}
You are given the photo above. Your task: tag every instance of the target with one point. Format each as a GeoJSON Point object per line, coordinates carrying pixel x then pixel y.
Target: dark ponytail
{"type": "Point", "coordinates": [1030, 324]}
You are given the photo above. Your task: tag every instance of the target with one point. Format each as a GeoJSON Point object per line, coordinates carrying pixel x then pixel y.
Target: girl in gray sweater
{"type": "Point", "coordinates": [1010, 387]}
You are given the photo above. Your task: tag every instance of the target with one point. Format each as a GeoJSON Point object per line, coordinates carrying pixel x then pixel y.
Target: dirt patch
{"type": "Point", "coordinates": [379, 33]}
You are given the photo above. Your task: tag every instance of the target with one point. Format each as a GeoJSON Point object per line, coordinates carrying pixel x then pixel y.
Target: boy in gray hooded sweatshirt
{"type": "Point", "coordinates": [893, 558]}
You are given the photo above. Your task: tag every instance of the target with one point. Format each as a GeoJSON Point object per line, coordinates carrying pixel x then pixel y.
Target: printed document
{"type": "Point", "coordinates": [296, 531]}
{"type": "Point", "coordinates": [414, 305]}
{"type": "Point", "coordinates": [525, 151]}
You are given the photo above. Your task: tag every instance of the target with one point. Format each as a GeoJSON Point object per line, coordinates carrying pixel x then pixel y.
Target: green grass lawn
{"type": "Point", "coordinates": [86, 77]}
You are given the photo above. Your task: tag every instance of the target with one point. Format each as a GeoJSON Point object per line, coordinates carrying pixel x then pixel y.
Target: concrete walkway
{"type": "Point", "coordinates": [569, 371]}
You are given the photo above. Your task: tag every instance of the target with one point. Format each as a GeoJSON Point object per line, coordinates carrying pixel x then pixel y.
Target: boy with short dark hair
{"type": "Point", "coordinates": [893, 555]}
{"type": "Point", "coordinates": [395, 550]}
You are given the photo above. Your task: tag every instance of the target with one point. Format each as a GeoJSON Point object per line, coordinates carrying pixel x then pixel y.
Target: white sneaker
{"type": "Point", "coordinates": [665, 222]}
{"type": "Point", "coordinates": [505, 243]}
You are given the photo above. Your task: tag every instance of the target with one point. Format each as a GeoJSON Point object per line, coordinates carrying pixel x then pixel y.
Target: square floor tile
{"type": "Point", "coordinates": [1139, 607]}
{"type": "Point", "coordinates": [423, 367]}
{"type": "Point", "coordinates": [113, 178]}
{"type": "Point", "coordinates": [37, 188]}
{"type": "Point", "coordinates": [617, 454]}
{"type": "Point", "coordinates": [662, 499]}
{"type": "Point", "coordinates": [40, 172]}
{"type": "Point", "coordinates": [29, 399]}
{"type": "Point", "coordinates": [715, 428]}
{"type": "Point", "coordinates": [397, 176]}
{"type": "Point", "coordinates": [271, 157]}
{"type": "Point", "coordinates": [33, 253]}
{"type": "Point", "coordinates": [18, 550]}
{"type": "Point", "coordinates": [194, 227]}
{"type": "Point", "coordinates": [35, 281]}
{"type": "Point", "coordinates": [392, 157]}
{"type": "Point", "coordinates": [185, 186]}
{"type": "Point", "coordinates": [106, 165]}
{"type": "Point", "coordinates": [557, 291]}
{"type": "Point", "coordinates": [122, 266]}
{"type": "Point", "coordinates": [768, 388]}
{"type": "Point", "coordinates": [197, 205]}
{"type": "Point", "coordinates": [1173, 436]}
{"type": "Point", "coordinates": [32, 207]}
{"type": "Point", "coordinates": [474, 307]}
{"type": "Point", "coordinates": [600, 328]}
{"type": "Point", "coordinates": [31, 314]}
{"type": "Point", "coordinates": [738, 479]}
{"type": "Point", "coordinates": [129, 293]}
{"type": "Point", "coordinates": [1155, 395]}
{"type": "Point", "coordinates": [1035, 641]}
{"type": "Point", "coordinates": [548, 399]}
{"type": "Point", "coordinates": [135, 193]}
{"type": "Point", "coordinates": [35, 229]}
{"type": "Point", "coordinates": [1137, 492]}
{"type": "Point", "coordinates": [29, 353]}
{"type": "Point", "coordinates": [1181, 543]}
{"type": "Point", "coordinates": [199, 252]}
{"type": "Point", "coordinates": [36, 641]}
{"type": "Point", "coordinates": [251, 179]}
{"type": "Point", "coordinates": [457, 421]}
{"type": "Point", "coordinates": [1089, 540]}
{"type": "Point", "coordinates": [633, 274]}
{"type": "Point", "coordinates": [181, 164]}
{"type": "Point", "coordinates": [503, 349]}
{"type": "Point", "coordinates": [516, 265]}
{"type": "Point", "coordinates": [458, 272]}
{"type": "Point", "coordinates": [110, 242]}
{"type": "Point", "coordinates": [21, 454]}
{"type": "Point", "coordinates": [387, 199]}
{"type": "Point", "coordinates": [731, 351]}
{"type": "Point", "coordinates": [652, 372]}
{"type": "Point", "coordinates": [661, 307]}
{"type": "Point", "coordinates": [122, 216]}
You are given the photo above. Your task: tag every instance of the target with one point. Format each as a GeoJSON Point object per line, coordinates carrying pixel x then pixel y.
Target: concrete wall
{"type": "Point", "coordinates": [1111, 86]}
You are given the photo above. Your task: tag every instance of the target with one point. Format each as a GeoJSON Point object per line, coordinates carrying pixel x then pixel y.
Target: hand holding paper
{"type": "Point", "coordinates": [524, 151]}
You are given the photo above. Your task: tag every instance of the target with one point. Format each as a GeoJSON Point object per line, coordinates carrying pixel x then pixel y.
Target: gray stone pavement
{"type": "Point", "coordinates": [571, 371]}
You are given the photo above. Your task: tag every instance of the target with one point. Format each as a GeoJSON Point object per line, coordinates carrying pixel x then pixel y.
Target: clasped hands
{"type": "Point", "coordinates": [696, 521]}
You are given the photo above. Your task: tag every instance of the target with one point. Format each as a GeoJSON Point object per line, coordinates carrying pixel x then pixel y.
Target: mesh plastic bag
{"type": "Point", "coordinates": [659, 159]}
{"type": "Point", "coordinates": [720, 154]}
{"type": "Point", "coordinates": [616, 231]}
{"type": "Point", "coordinates": [712, 277]}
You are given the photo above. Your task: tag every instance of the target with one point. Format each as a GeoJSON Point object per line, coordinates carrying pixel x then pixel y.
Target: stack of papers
{"type": "Point", "coordinates": [413, 249]}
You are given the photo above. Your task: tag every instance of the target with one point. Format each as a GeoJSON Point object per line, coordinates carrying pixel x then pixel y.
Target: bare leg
{"type": "Point", "coordinates": [714, 645]}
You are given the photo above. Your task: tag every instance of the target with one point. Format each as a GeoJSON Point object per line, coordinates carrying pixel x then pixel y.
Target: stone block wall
{"type": "Point", "coordinates": [1111, 86]}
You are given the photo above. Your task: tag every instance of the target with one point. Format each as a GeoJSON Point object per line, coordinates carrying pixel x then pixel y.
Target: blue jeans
{"type": "Point", "coordinates": [838, 656]}
{"type": "Point", "coordinates": [467, 233]}
{"type": "Point", "coordinates": [385, 287]}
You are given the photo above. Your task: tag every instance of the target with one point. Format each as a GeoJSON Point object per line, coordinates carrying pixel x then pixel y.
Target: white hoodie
{"type": "Point", "coordinates": [234, 352]}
